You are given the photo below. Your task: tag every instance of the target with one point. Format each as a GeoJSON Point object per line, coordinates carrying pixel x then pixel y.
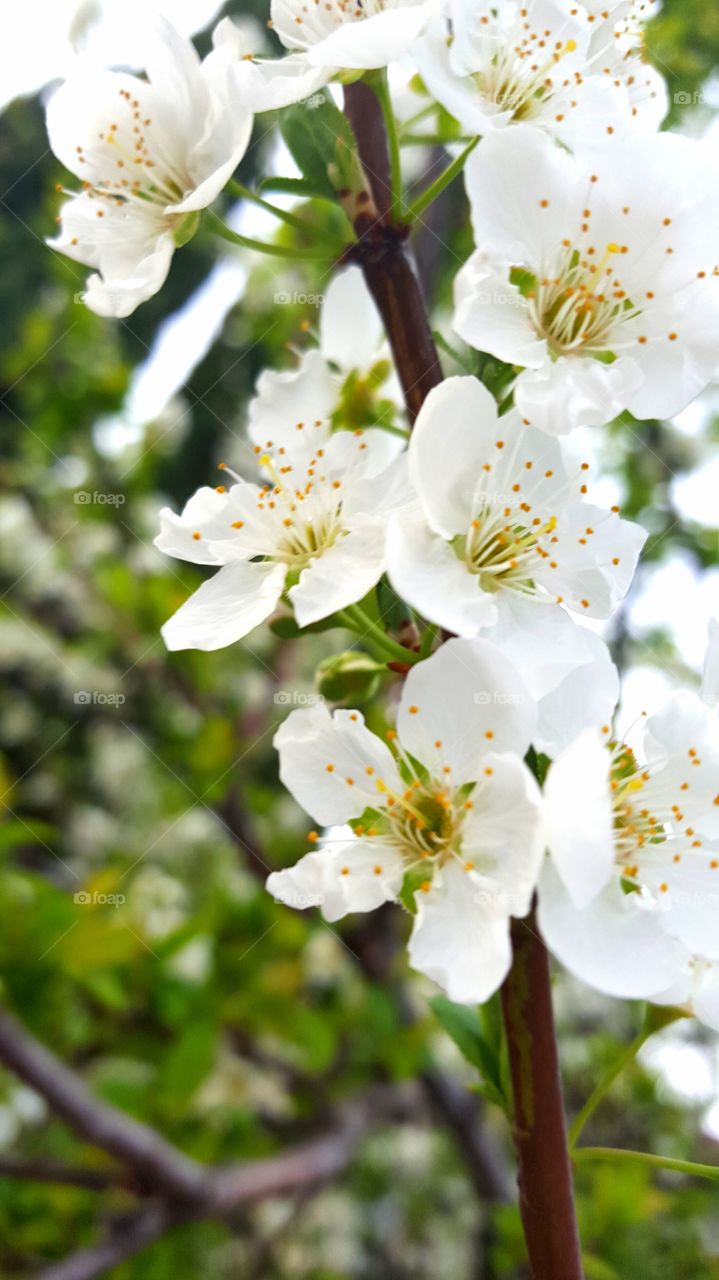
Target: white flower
{"type": "Point", "coordinates": [315, 530]}
{"type": "Point", "coordinates": [449, 817]}
{"type": "Point", "coordinates": [632, 888]}
{"type": "Point", "coordinates": [150, 154]}
{"type": "Point", "coordinates": [597, 277]}
{"type": "Point", "coordinates": [538, 62]}
{"type": "Point", "coordinates": [349, 34]}
{"type": "Point", "coordinates": [350, 381]}
{"type": "Point", "coordinates": [501, 540]}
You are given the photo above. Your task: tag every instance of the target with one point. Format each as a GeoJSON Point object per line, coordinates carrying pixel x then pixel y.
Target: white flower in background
{"type": "Point", "coordinates": [448, 818]}
{"type": "Point", "coordinates": [536, 62]}
{"type": "Point", "coordinates": [350, 381]}
{"type": "Point", "coordinates": [316, 529]}
{"type": "Point", "coordinates": [632, 888]}
{"type": "Point", "coordinates": [598, 278]}
{"type": "Point", "coordinates": [351, 34]}
{"type": "Point", "coordinates": [151, 154]}
{"type": "Point", "coordinates": [617, 51]}
{"type": "Point", "coordinates": [501, 541]}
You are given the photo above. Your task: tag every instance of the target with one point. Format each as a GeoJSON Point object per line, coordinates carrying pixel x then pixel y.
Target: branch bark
{"type": "Point", "coordinates": [386, 259]}
{"type": "Point", "coordinates": [546, 1194]}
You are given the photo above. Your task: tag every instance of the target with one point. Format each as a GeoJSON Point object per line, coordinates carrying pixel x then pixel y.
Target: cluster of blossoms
{"type": "Point", "coordinates": [595, 279]}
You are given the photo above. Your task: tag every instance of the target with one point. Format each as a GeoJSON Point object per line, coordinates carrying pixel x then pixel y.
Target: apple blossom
{"type": "Point", "coordinates": [315, 530]}
{"type": "Point", "coordinates": [632, 888]}
{"type": "Point", "coordinates": [446, 820]}
{"type": "Point", "coordinates": [596, 277]}
{"type": "Point", "coordinates": [349, 381]}
{"type": "Point", "coordinates": [537, 62]}
{"type": "Point", "coordinates": [151, 154]}
{"type": "Point", "coordinates": [501, 541]}
{"type": "Point", "coordinates": [274, 82]}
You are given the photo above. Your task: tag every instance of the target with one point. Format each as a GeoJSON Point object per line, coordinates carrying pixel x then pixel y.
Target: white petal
{"type": "Point", "coordinates": [525, 194]}
{"type": "Point", "coordinates": [575, 391]}
{"type": "Point", "coordinates": [342, 575]}
{"type": "Point", "coordinates": [587, 695]}
{"type": "Point", "coordinates": [225, 608]}
{"type": "Point", "coordinates": [461, 936]}
{"type": "Point", "coordinates": [613, 944]}
{"type": "Point", "coordinates": [351, 330]}
{"type": "Point", "coordinates": [208, 513]}
{"type": "Point", "coordinates": [455, 432]}
{"type": "Point", "coordinates": [682, 750]}
{"type": "Point", "coordinates": [578, 817]}
{"type": "Point", "coordinates": [470, 699]}
{"type": "Point", "coordinates": [502, 834]}
{"type": "Point", "coordinates": [311, 739]}
{"type": "Point", "coordinates": [425, 572]}
{"type": "Point", "coordinates": [491, 315]}
{"type": "Point", "coordinates": [352, 876]}
{"type": "Point", "coordinates": [282, 400]}
{"type": "Point", "coordinates": [374, 41]}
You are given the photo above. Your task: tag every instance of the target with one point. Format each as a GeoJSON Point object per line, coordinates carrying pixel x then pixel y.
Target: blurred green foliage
{"type": "Point", "coordinates": [147, 782]}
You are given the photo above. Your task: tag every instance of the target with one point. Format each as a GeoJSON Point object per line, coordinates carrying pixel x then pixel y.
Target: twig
{"type": "Point", "coordinates": [41, 1170]}
{"type": "Point", "coordinates": [156, 1164]}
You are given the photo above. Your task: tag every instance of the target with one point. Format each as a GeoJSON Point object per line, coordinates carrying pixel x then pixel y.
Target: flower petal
{"type": "Point", "coordinates": [461, 936]}
{"type": "Point", "coordinates": [342, 575]}
{"type": "Point", "coordinates": [226, 607]}
{"type": "Point", "coordinates": [578, 817]}
{"type": "Point", "coordinates": [425, 572]}
{"type": "Point", "coordinates": [332, 763]}
{"type": "Point", "coordinates": [470, 699]}
{"type": "Point", "coordinates": [614, 943]}
{"type": "Point", "coordinates": [502, 834]}
{"type": "Point", "coordinates": [351, 876]}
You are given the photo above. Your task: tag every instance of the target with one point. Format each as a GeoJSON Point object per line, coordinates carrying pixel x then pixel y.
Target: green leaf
{"type": "Point", "coordinates": [291, 187]}
{"type": "Point", "coordinates": [322, 144]}
{"type": "Point", "coordinates": [465, 1026]}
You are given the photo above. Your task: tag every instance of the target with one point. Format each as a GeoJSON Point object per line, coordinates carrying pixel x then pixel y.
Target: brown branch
{"type": "Point", "coordinates": [545, 1176]}
{"type": "Point", "coordinates": [156, 1164]}
{"type": "Point", "coordinates": [41, 1170]}
{"type": "Point", "coordinates": [129, 1237]}
{"type": "Point", "coordinates": [387, 261]}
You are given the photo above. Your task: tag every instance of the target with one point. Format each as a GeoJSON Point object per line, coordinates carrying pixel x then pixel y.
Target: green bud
{"type": "Point", "coordinates": [349, 677]}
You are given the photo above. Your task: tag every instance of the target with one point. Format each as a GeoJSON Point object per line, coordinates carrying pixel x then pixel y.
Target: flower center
{"type": "Point", "coordinates": [576, 308]}
{"type": "Point", "coordinates": [517, 76]}
{"type": "Point", "coordinates": [131, 163]}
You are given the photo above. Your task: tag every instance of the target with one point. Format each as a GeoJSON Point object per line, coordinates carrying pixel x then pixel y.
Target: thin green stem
{"type": "Point", "coordinates": [605, 1084]}
{"type": "Point", "coordinates": [372, 633]}
{"type": "Point", "coordinates": [244, 193]}
{"type": "Point", "coordinates": [220, 229]}
{"type": "Point", "coordinates": [435, 189]}
{"type": "Point", "coordinates": [585, 1154]}
{"type": "Point", "coordinates": [381, 88]}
